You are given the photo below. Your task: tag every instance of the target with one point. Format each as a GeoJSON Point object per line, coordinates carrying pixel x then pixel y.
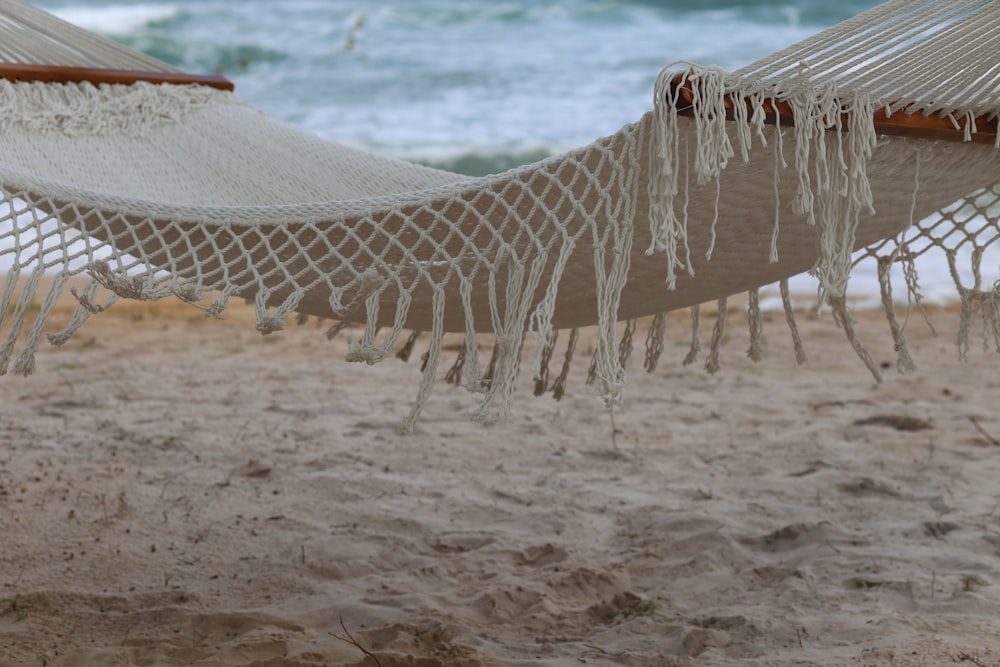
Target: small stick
{"type": "Point", "coordinates": [971, 657]}
{"type": "Point", "coordinates": [989, 438]}
{"type": "Point", "coordinates": [596, 648]}
{"type": "Point", "coordinates": [354, 642]}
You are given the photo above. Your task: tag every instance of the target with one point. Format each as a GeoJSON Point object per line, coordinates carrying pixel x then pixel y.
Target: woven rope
{"type": "Point", "coordinates": [155, 191]}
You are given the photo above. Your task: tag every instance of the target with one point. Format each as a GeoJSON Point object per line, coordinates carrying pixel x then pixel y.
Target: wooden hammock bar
{"type": "Point", "coordinates": [917, 125]}
{"type": "Point", "coordinates": [55, 74]}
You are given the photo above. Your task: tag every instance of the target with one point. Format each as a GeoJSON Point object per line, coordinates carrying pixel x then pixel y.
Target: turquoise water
{"type": "Point", "coordinates": [472, 85]}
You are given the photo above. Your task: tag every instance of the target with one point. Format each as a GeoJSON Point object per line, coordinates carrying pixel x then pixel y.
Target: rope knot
{"type": "Point", "coordinates": [268, 324]}
{"type": "Point", "coordinates": [139, 288]}
{"type": "Point", "coordinates": [357, 352]}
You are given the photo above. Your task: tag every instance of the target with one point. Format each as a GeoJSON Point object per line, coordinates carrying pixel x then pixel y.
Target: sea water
{"type": "Point", "coordinates": [472, 85]}
{"type": "Point", "coordinates": [475, 86]}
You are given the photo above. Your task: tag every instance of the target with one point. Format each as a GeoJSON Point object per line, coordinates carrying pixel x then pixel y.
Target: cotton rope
{"type": "Point", "coordinates": [733, 181]}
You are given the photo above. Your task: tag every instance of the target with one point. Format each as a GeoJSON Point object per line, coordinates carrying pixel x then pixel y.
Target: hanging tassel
{"type": "Point", "coordinates": [904, 362]}
{"type": "Point", "coordinates": [654, 341]}
{"type": "Point", "coordinates": [559, 386]}
{"type": "Point", "coordinates": [718, 333]}
{"type": "Point", "coordinates": [843, 318]}
{"type": "Point", "coordinates": [545, 358]}
{"type": "Point", "coordinates": [407, 349]}
{"type": "Point", "coordinates": [793, 327]}
{"type": "Point", "coordinates": [692, 355]}
{"type": "Point", "coordinates": [430, 363]}
{"type": "Point", "coordinates": [625, 344]}
{"type": "Point", "coordinates": [454, 374]}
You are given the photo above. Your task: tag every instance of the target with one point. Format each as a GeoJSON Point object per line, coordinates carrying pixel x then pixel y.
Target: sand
{"type": "Point", "coordinates": [175, 491]}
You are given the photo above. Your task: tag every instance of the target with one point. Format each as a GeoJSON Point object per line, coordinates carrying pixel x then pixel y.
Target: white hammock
{"type": "Point", "coordinates": [153, 188]}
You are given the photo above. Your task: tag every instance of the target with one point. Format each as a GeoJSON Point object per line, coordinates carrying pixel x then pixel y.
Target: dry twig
{"type": "Point", "coordinates": [971, 657]}
{"type": "Point", "coordinates": [354, 642]}
{"type": "Point", "coordinates": [989, 438]}
{"type": "Point", "coordinates": [596, 648]}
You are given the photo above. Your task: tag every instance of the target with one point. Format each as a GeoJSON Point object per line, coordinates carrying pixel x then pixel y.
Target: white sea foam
{"type": "Point", "coordinates": [118, 20]}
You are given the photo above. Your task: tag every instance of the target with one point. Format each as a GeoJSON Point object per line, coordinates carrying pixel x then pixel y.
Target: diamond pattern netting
{"type": "Point", "coordinates": [472, 256]}
{"type": "Point", "coordinates": [963, 237]}
{"type": "Point", "coordinates": [968, 226]}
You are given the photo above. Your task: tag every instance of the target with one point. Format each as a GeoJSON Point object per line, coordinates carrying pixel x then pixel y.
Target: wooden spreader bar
{"type": "Point", "coordinates": [95, 75]}
{"type": "Point", "coordinates": [915, 125]}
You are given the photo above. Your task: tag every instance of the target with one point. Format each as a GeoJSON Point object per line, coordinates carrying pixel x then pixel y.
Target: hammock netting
{"type": "Point", "coordinates": [873, 141]}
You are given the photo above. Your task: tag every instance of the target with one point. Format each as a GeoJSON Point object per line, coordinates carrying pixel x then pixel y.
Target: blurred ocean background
{"type": "Point", "coordinates": [474, 86]}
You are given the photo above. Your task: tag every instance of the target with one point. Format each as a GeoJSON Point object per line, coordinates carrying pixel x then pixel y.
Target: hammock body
{"type": "Point", "coordinates": [417, 230]}
{"type": "Point", "coordinates": [163, 189]}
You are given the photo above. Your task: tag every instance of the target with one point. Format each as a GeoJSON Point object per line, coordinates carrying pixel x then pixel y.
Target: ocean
{"type": "Point", "coordinates": [473, 86]}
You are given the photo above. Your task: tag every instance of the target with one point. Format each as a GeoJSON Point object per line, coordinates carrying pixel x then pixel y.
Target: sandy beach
{"type": "Point", "coordinates": [177, 491]}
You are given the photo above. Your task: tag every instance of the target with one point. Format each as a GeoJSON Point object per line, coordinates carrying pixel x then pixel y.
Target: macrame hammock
{"type": "Point", "coordinates": [874, 139]}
